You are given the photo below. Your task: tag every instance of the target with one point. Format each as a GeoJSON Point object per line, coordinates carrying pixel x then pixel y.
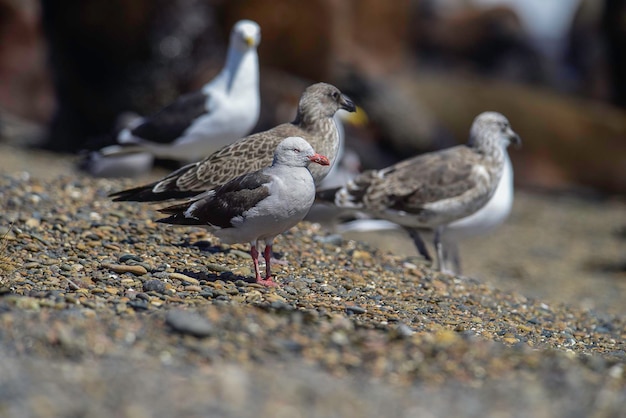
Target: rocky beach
{"type": "Point", "coordinates": [103, 312]}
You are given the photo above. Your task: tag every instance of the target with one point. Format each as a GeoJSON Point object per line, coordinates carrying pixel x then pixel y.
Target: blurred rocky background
{"type": "Point", "coordinates": [421, 69]}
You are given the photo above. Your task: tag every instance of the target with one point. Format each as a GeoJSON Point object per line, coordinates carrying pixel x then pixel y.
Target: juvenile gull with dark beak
{"type": "Point", "coordinates": [433, 190]}
{"type": "Point", "coordinates": [314, 122]}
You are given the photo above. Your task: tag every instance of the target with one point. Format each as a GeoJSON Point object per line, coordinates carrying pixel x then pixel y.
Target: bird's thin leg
{"type": "Point", "coordinates": [439, 248]}
{"type": "Point", "coordinates": [419, 244]}
{"type": "Point", "coordinates": [267, 254]}
{"type": "Point", "coordinates": [453, 257]}
{"type": "Point", "coordinates": [255, 259]}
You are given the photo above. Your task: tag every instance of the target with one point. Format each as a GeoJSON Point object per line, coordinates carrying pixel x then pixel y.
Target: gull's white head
{"type": "Point", "coordinates": [492, 128]}
{"type": "Point", "coordinates": [246, 34]}
{"type": "Point", "coordinates": [295, 151]}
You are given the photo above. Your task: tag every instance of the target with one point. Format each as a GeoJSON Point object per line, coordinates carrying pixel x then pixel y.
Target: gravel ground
{"type": "Point", "coordinates": [103, 312]}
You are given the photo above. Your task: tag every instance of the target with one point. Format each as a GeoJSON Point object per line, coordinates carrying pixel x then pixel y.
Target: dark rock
{"type": "Point", "coordinates": [189, 323]}
{"type": "Point", "coordinates": [126, 257]}
{"type": "Point", "coordinates": [138, 305]}
{"type": "Point", "coordinates": [354, 309]}
{"type": "Point", "coordinates": [154, 286]}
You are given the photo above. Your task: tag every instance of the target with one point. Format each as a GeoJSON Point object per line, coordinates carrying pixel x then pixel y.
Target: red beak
{"type": "Point", "coordinates": [319, 159]}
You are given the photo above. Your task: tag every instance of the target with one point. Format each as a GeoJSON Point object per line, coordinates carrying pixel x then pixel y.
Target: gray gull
{"type": "Point", "coordinates": [257, 206]}
{"type": "Point", "coordinates": [433, 190]}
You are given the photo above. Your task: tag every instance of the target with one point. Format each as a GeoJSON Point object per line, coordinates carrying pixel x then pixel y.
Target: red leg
{"type": "Point", "coordinates": [255, 257]}
{"type": "Point", "coordinates": [267, 254]}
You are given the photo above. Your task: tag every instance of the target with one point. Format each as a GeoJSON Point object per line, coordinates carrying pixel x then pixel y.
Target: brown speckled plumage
{"type": "Point", "coordinates": [434, 189]}
{"type": "Point", "coordinates": [314, 122]}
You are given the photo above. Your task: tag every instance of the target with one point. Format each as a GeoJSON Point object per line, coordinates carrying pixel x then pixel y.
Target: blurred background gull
{"type": "Point", "coordinates": [420, 69]}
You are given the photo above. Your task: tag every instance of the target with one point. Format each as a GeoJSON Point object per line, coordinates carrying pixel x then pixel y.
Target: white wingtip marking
{"type": "Point", "coordinates": [189, 212]}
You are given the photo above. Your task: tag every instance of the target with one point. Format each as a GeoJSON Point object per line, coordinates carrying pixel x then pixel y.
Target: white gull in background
{"type": "Point", "coordinates": [257, 206]}
{"type": "Point", "coordinates": [433, 190]}
{"type": "Point", "coordinates": [197, 123]}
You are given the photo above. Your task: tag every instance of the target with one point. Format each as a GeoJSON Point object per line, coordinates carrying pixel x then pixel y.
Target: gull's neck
{"type": "Point", "coordinates": [490, 148]}
{"type": "Point", "coordinates": [323, 136]}
{"type": "Point", "coordinates": [323, 130]}
{"type": "Point", "coordinates": [240, 73]}
{"type": "Point", "coordinates": [314, 122]}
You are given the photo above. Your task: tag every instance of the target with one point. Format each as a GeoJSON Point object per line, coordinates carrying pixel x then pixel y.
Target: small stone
{"type": "Point", "coordinates": [121, 268]}
{"type": "Point", "coordinates": [240, 254]}
{"type": "Point", "coordinates": [189, 323]}
{"type": "Point", "coordinates": [154, 286]}
{"type": "Point", "coordinates": [207, 294]}
{"type": "Point", "coordinates": [339, 338]}
{"type": "Point", "coordinates": [138, 304]}
{"type": "Point", "coordinates": [111, 290]}
{"type": "Point", "coordinates": [510, 340]}
{"type": "Point", "coordinates": [232, 290]}
{"type": "Point", "coordinates": [71, 299]}
{"type": "Point", "coordinates": [273, 297]}
{"type": "Point", "coordinates": [184, 278]}
{"type": "Point", "coordinates": [216, 267]}
{"type": "Point", "coordinates": [30, 265]}
{"type": "Point", "coordinates": [128, 282]}
{"type": "Point", "coordinates": [404, 331]}
{"type": "Point", "coordinates": [32, 222]}
{"type": "Point", "coordinates": [281, 306]}
{"type": "Point", "coordinates": [361, 255]}
{"type": "Point", "coordinates": [126, 257]}
{"type": "Point", "coordinates": [354, 309]}
{"type": "Point", "coordinates": [446, 337]}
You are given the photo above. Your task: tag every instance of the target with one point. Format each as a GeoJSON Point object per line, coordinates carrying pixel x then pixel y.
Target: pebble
{"type": "Point", "coordinates": [190, 323]}
{"type": "Point", "coordinates": [354, 309]}
{"type": "Point", "coordinates": [273, 297]}
{"type": "Point", "coordinates": [30, 265]}
{"type": "Point", "coordinates": [137, 270]}
{"type": "Point", "coordinates": [126, 257]}
{"type": "Point", "coordinates": [184, 278]}
{"type": "Point", "coordinates": [111, 290]}
{"type": "Point", "coordinates": [240, 254]}
{"type": "Point", "coordinates": [154, 286]}
{"type": "Point", "coordinates": [138, 304]}
{"type": "Point", "coordinates": [216, 267]}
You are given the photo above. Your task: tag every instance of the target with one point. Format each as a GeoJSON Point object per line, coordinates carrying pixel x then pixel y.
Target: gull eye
{"type": "Point", "coordinates": [296, 150]}
{"type": "Point", "coordinates": [335, 95]}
